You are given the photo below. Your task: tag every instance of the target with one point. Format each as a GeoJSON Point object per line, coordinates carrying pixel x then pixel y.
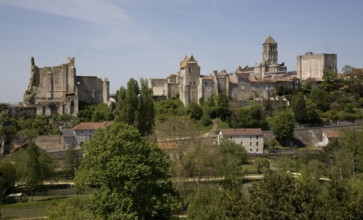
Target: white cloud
{"type": "Point", "coordinates": [94, 11]}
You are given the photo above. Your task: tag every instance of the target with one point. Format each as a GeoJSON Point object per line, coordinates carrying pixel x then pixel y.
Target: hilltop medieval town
{"type": "Point", "coordinates": [223, 127]}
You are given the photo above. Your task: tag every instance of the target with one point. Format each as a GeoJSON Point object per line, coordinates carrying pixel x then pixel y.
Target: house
{"type": "Point", "coordinates": [250, 138]}
{"type": "Point", "coordinates": [83, 131]}
{"type": "Point", "coordinates": [328, 135]}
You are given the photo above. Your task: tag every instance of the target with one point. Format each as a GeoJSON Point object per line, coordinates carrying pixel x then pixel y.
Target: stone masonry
{"type": "Point", "coordinates": [59, 90]}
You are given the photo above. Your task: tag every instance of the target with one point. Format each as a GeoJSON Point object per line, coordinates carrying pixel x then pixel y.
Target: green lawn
{"type": "Point", "coordinates": [36, 208]}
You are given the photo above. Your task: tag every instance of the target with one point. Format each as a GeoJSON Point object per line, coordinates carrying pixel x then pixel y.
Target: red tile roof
{"type": "Point", "coordinates": [332, 133]}
{"type": "Point", "coordinates": [241, 131]}
{"type": "Point", "coordinates": [91, 125]}
{"type": "Point", "coordinates": [168, 145]}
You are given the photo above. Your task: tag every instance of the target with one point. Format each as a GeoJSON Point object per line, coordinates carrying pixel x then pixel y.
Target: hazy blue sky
{"type": "Point", "coordinates": [120, 39]}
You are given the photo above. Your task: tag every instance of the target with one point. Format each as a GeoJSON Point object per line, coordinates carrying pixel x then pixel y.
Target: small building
{"type": "Point", "coordinates": [83, 131]}
{"type": "Point", "coordinates": [250, 138]}
{"type": "Point", "coordinates": [329, 135]}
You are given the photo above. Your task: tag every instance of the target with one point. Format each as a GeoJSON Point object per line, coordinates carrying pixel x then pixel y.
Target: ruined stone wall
{"type": "Point", "coordinates": [90, 89]}
{"type": "Point", "coordinates": [52, 89]}
{"type": "Point", "coordinates": [158, 86]}
{"type": "Point", "coordinates": [173, 90]}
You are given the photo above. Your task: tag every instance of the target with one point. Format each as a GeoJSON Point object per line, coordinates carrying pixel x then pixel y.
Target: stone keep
{"type": "Point", "coordinates": [58, 89]}
{"type": "Point", "coordinates": [313, 65]}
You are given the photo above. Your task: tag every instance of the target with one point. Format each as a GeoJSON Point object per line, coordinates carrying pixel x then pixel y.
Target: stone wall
{"type": "Point", "coordinates": [50, 143]}
{"type": "Point", "coordinates": [313, 65]}
{"type": "Point", "coordinates": [158, 86]}
{"type": "Point", "coordinates": [57, 89]}
{"type": "Point", "coordinates": [90, 89]}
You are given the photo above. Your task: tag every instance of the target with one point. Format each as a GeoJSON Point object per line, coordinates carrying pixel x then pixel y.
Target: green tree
{"type": "Point", "coordinates": [33, 166]}
{"type": "Point", "coordinates": [328, 84]}
{"type": "Point", "coordinates": [7, 177]}
{"type": "Point", "coordinates": [132, 177]}
{"type": "Point", "coordinates": [346, 69]}
{"type": "Point", "coordinates": [145, 116]}
{"type": "Point", "coordinates": [232, 157]}
{"type": "Point", "coordinates": [345, 156]}
{"type": "Point", "coordinates": [248, 117]}
{"type": "Point", "coordinates": [282, 124]}
{"type": "Point", "coordinates": [341, 202]}
{"type": "Point", "coordinates": [279, 196]}
{"type": "Point", "coordinates": [70, 209]}
{"type": "Point", "coordinates": [72, 162]}
{"type": "Point", "coordinates": [135, 106]}
{"type": "Point", "coordinates": [223, 107]}
{"type": "Point", "coordinates": [312, 115]}
{"type": "Point", "coordinates": [262, 165]}
{"type": "Point", "coordinates": [321, 98]}
{"type": "Point", "coordinates": [195, 111]}
{"type": "Point", "coordinates": [206, 204]}
{"type": "Point", "coordinates": [299, 107]}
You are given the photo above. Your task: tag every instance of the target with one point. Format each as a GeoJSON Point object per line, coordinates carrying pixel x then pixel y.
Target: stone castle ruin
{"type": "Point", "coordinates": [58, 90]}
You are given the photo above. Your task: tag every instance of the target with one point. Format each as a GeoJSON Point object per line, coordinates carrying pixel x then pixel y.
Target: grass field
{"type": "Point", "coordinates": [36, 208]}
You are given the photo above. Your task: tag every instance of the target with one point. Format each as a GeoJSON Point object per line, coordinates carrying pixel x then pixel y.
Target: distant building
{"type": "Point", "coordinates": [83, 131]}
{"type": "Point", "coordinates": [312, 66]}
{"type": "Point", "coordinates": [329, 135]}
{"type": "Point", "coordinates": [58, 89]}
{"type": "Point", "coordinates": [249, 138]}
{"type": "Point", "coordinates": [74, 137]}
{"type": "Point", "coordinates": [259, 81]}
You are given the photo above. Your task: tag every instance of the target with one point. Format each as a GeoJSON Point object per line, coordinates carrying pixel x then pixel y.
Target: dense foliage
{"type": "Point", "coordinates": [33, 166]}
{"type": "Point", "coordinates": [282, 124]}
{"type": "Point", "coordinates": [131, 176]}
{"type": "Point", "coordinates": [135, 106]}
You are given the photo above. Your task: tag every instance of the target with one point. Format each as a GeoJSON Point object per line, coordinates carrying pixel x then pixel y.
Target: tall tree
{"type": "Point", "coordinates": [299, 107]}
{"type": "Point", "coordinates": [347, 69]}
{"type": "Point", "coordinates": [33, 166]}
{"type": "Point", "coordinates": [282, 124]}
{"type": "Point", "coordinates": [223, 107]}
{"type": "Point", "coordinates": [7, 177]}
{"type": "Point", "coordinates": [146, 113]}
{"type": "Point", "coordinates": [132, 176]}
{"type": "Point", "coordinates": [135, 107]}
{"type": "Point", "coordinates": [282, 197]}
{"type": "Point", "coordinates": [328, 84]}
{"type": "Point", "coordinates": [72, 162]}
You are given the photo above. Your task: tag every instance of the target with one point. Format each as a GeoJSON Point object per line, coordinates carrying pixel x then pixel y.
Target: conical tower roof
{"type": "Point", "coordinates": [270, 40]}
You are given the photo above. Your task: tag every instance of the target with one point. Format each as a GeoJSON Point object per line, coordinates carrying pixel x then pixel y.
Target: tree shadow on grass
{"type": "Point", "coordinates": [53, 198]}
{"type": "Point", "coordinates": [292, 142]}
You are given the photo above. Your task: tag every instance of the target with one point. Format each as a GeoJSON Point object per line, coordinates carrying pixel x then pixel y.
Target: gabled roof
{"type": "Point", "coordinates": [90, 126]}
{"type": "Point", "coordinates": [239, 68]}
{"type": "Point", "coordinates": [240, 131]}
{"type": "Point", "coordinates": [186, 60]}
{"type": "Point", "coordinates": [332, 133]}
{"type": "Point", "coordinates": [270, 40]}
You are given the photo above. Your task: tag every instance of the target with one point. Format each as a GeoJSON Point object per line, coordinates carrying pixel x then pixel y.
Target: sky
{"type": "Point", "coordinates": [120, 39]}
